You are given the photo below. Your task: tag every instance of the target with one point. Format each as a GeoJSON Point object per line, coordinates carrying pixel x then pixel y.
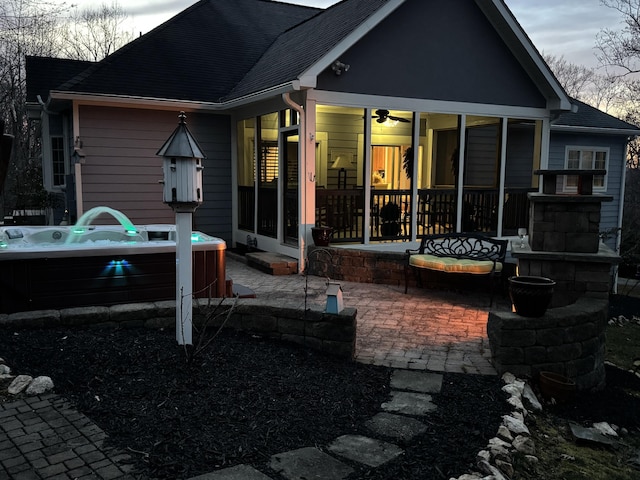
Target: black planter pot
{"type": "Point", "coordinates": [391, 229]}
{"type": "Point", "coordinates": [321, 236]}
{"type": "Point", "coordinates": [531, 295]}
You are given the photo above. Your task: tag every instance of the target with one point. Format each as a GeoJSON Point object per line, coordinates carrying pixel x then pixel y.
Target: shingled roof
{"type": "Point", "coordinates": [201, 54]}
{"type": "Point", "coordinates": [298, 48]}
{"type": "Point", "coordinates": [588, 117]}
{"type": "Point", "coordinates": [46, 73]}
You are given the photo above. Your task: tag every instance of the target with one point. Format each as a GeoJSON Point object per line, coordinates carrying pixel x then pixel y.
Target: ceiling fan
{"type": "Point", "coordinates": [381, 116]}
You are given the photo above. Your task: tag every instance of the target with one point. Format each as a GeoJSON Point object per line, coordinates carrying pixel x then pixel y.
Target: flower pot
{"type": "Point", "coordinates": [556, 386]}
{"type": "Point", "coordinates": [391, 229]}
{"type": "Point", "coordinates": [530, 295]}
{"type": "Point", "coordinates": [321, 236]}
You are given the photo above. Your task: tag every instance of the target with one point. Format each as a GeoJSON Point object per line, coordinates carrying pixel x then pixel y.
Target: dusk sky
{"type": "Point", "coordinates": [558, 27]}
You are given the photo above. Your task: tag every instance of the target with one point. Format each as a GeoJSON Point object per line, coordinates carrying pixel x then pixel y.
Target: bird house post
{"type": "Point", "coordinates": [182, 191]}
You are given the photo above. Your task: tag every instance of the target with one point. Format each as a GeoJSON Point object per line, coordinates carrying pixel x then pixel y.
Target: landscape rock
{"type": "Point", "coordinates": [483, 455]}
{"type": "Point", "coordinates": [514, 425]}
{"type": "Point", "coordinates": [505, 434]}
{"type": "Point", "coordinates": [531, 398]}
{"type": "Point", "coordinates": [486, 467]}
{"type": "Point", "coordinates": [505, 467]}
{"type": "Point", "coordinates": [531, 460]}
{"type": "Point", "coordinates": [497, 442]}
{"type": "Point", "coordinates": [19, 384]}
{"type": "Point", "coordinates": [590, 435]}
{"type": "Point", "coordinates": [524, 445]}
{"type": "Point", "coordinates": [518, 415]}
{"type": "Point", "coordinates": [40, 385]}
{"type": "Point", "coordinates": [605, 429]}
{"type": "Point", "coordinates": [516, 402]}
{"type": "Point", "coordinates": [512, 390]}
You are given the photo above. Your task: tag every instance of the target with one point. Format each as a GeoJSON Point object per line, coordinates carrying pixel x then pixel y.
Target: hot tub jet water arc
{"type": "Point", "coordinates": [57, 267]}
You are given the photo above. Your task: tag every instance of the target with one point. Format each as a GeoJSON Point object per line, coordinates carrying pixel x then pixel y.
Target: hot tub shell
{"type": "Point", "coordinates": [56, 267]}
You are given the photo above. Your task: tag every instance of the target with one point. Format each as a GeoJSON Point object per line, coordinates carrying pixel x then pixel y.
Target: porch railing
{"type": "Point", "coordinates": [344, 211]}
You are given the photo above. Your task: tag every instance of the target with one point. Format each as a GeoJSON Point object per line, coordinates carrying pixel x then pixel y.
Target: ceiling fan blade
{"type": "Point", "coordinates": [398, 119]}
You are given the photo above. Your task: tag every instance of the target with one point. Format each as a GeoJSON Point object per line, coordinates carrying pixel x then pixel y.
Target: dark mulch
{"type": "Point", "coordinates": [247, 398]}
{"type": "Point", "coordinates": [243, 400]}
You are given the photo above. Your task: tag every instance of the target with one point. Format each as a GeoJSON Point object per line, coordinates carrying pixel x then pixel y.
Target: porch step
{"type": "Point", "coordinates": [272, 263]}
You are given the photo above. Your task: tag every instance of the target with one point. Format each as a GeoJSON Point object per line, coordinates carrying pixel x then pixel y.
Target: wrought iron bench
{"type": "Point", "coordinates": [466, 253]}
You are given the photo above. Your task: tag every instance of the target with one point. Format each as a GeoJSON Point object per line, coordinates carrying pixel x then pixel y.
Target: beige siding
{"type": "Point", "coordinates": [122, 170]}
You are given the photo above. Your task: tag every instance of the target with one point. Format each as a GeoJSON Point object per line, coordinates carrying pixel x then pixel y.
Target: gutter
{"type": "Point", "coordinates": [45, 106]}
{"type": "Point", "coordinates": [161, 103]}
{"type": "Point", "coordinates": [597, 130]}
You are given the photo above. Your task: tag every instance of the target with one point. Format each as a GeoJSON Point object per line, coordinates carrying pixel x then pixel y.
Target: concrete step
{"type": "Point", "coordinates": [272, 263]}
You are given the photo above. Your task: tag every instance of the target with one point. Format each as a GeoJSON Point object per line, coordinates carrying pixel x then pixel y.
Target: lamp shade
{"type": "Point", "coordinates": [342, 162]}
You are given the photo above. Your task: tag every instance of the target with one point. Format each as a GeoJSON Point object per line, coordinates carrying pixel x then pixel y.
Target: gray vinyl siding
{"type": "Point", "coordinates": [520, 147]}
{"type": "Point", "coordinates": [617, 148]}
{"type": "Point", "coordinates": [440, 50]}
{"type": "Point", "coordinates": [122, 170]}
{"type": "Point", "coordinates": [481, 168]}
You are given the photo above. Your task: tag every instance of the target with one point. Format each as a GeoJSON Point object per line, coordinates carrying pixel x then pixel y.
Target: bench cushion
{"type": "Point", "coordinates": [453, 265]}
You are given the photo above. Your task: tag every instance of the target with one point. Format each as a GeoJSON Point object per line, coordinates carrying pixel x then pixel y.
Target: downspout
{"type": "Point", "coordinates": [302, 135]}
{"type": "Point", "coordinates": [78, 165]}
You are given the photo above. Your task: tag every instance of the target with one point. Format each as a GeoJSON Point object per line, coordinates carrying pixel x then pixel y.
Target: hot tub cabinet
{"type": "Point", "coordinates": [104, 273]}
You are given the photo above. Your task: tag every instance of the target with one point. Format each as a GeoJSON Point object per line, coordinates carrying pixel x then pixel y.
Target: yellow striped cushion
{"type": "Point", "coordinates": [449, 264]}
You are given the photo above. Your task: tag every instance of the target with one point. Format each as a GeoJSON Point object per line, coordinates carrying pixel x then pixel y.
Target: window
{"type": "Point", "coordinates": [57, 161]}
{"type": "Point", "coordinates": [586, 158]}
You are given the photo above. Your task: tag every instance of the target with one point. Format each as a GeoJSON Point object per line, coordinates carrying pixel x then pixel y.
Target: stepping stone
{"type": "Point", "coordinates": [365, 450]}
{"type": "Point", "coordinates": [239, 472]}
{"type": "Point", "coordinates": [415, 381]}
{"type": "Point", "coordinates": [409, 403]}
{"type": "Point", "coordinates": [590, 435]}
{"type": "Point", "coordinates": [397, 427]}
{"type": "Point", "coordinates": [309, 464]}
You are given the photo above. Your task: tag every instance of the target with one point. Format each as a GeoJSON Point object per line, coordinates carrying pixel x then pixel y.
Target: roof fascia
{"type": "Point", "coordinates": [163, 103]}
{"type": "Point", "coordinates": [492, 7]}
{"type": "Point", "coordinates": [596, 130]}
{"type": "Point", "coordinates": [426, 105]}
{"type": "Point", "coordinates": [309, 78]}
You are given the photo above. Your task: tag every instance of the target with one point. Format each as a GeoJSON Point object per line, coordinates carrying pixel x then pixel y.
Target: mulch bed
{"type": "Point", "coordinates": [242, 400]}
{"type": "Point", "coordinates": [245, 398]}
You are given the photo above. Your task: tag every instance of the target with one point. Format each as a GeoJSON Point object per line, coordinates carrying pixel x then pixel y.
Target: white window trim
{"type": "Point", "coordinates": [47, 154]}
{"type": "Point", "coordinates": [582, 148]}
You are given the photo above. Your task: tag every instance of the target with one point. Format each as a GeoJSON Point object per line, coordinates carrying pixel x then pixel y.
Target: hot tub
{"type": "Point", "coordinates": [55, 267]}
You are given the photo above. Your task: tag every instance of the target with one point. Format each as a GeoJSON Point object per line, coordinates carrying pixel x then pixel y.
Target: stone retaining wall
{"type": "Point", "coordinates": [329, 333]}
{"type": "Point", "coordinates": [567, 340]}
{"type": "Point", "coordinates": [362, 266]}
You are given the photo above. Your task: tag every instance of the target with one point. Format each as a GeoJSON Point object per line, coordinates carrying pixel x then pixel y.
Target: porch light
{"type": "Point", "coordinates": [338, 67]}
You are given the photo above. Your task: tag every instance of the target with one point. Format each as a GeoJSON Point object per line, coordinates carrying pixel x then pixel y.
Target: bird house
{"type": "Point", "coordinates": [182, 167]}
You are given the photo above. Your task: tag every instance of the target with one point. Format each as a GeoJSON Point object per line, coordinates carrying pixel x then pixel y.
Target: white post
{"type": "Point", "coordinates": [184, 294]}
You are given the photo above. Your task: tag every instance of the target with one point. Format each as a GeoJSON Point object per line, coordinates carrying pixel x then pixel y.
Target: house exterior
{"type": "Point", "coordinates": [383, 119]}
